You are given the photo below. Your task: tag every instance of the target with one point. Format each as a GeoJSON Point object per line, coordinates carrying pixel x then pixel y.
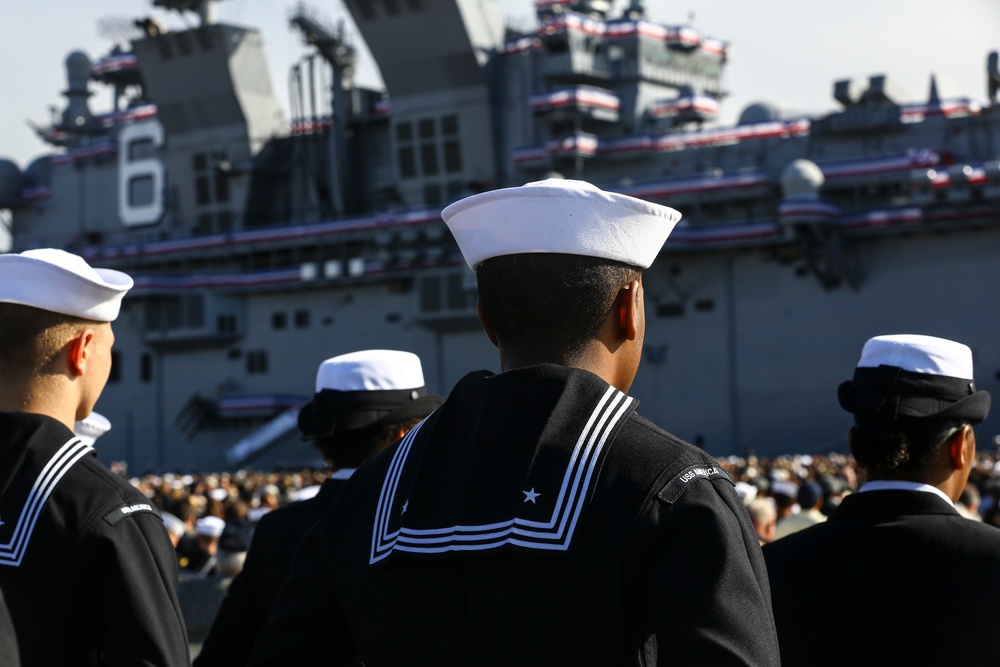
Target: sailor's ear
{"type": "Point", "coordinates": [962, 447]}
{"type": "Point", "coordinates": [628, 307]}
{"type": "Point", "coordinates": [79, 350]}
{"type": "Point", "coordinates": [490, 333]}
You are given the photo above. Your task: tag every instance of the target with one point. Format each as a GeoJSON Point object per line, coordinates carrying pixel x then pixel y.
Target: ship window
{"type": "Point", "coordinates": [199, 162]}
{"type": "Point", "coordinates": [257, 361]}
{"type": "Point", "coordinates": [278, 320]}
{"type": "Point", "coordinates": [432, 194]}
{"type": "Point", "coordinates": [201, 193]}
{"type": "Point", "coordinates": [427, 128]}
{"type": "Point", "coordinates": [429, 159]}
{"type": "Point", "coordinates": [301, 319]}
{"type": "Point", "coordinates": [449, 125]}
{"type": "Point", "coordinates": [226, 323]}
{"type": "Point", "coordinates": [704, 305]}
{"type": "Point", "coordinates": [146, 367]}
{"type": "Point", "coordinates": [407, 163]}
{"type": "Point", "coordinates": [452, 157]}
{"type": "Point", "coordinates": [430, 294]}
{"type": "Point", "coordinates": [221, 186]}
{"type": "Point", "coordinates": [140, 191]}
{"type": "Point", "coordinates": [225, 221]}
{"type": "Point", "coordinates": [392, 318]}
{"type": "Point", "coordinates": [234, 353]}
{"type": "Point", "coordinates": [116, 367]}
{"type": "Point", "coordinates": [195, 312]}
{"type": "Point", "coordinates": [404, 131]}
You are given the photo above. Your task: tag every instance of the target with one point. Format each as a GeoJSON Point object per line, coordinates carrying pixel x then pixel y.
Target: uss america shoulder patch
{"type": "Point", "coordinates": [119, 513]}
{"type": "Point", "coordinates": [680, 482]}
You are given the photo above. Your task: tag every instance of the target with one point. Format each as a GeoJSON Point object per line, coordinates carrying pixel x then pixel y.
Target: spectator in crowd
{"type": "Point", "coordinates": [809, 498]}
{"type": "Point", "coordinates": [764, 518]}
{"type": "Point", "coordinates": [208, 530]}
{"type": "Point", "coordinates": [896, 569]}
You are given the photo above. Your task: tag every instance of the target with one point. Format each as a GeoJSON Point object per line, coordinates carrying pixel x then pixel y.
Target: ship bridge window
{"type": "Point", "coordinates": [202, 195]}
{"type": "Point", "coordinates": [449, 125]}
{"type": "Point", "coordinates": [404, 131]}
{"type": "Point", "coordinates": [301, 319]}
{"type": "Point", "coordinates": [257, 361]}
{"type": "Point", "coordinates": [407, 162]}
{"type": "Point", "coordinates": [427, 128]}
{"type": "Point", "coordinates": [429, 159]}
{"type": "Point", "coordinates": [199, 162]}
{"type": "Point", "coordinates": [279, 320]}
{"type": "Point", "coordinates": [452, 156]}
{"type": "Point", "coordinates": [146, 367]}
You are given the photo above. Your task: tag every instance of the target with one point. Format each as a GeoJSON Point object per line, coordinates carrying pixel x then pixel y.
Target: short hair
{"type": "Point", "coordinates": [550, 302]}
{"type": "Point", "coordinates": [349, 449]}
{"type": "Point", "coordinates": [761, 511]}
{"type": "Point", "coordinates": [908, 445]}
{"type": "Point", "coordinates": [31, 337]}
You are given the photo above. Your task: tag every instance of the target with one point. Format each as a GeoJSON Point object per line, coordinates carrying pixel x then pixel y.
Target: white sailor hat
{"type": "Point", "coordinates": [788, 489]}
{"type": "Point", "coordinates": [914, 376]}
{"type": "Point", "coordinates": [174, 525]}
{"type": "Point", "coordinates": [559, 216]}
{"type": "Point", "coordinates": [92, 427]}
{"type": "Point", "coordinates": [210, 526]}
{"type": "Point", "coordinates": [61, 282]}
{"type": "Point", "coordinates": [366, 388]}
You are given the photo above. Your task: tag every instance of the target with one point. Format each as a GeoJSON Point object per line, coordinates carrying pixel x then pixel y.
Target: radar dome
{"type": "Point", "coordinates": [10, 183]}
{"type": "Point", "coordinates": [802, 178]}
{"type": "Point", "coordinates": [37, 173]}
{"type": "Point", "coordinates": [78, 63]}
{"type": "Point", "coordinates": [759, 112]}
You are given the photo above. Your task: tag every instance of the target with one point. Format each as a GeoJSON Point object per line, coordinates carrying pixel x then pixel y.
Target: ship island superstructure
{"type": "Point", "coordinates": [261, 245]}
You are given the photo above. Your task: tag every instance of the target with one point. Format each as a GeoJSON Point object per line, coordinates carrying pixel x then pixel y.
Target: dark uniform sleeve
{"type": "Point", "coordinates": [135, 587]}
{"type": "Point", "coordinates": [244, 609]}
{"type": "Point", "coordinates": [307, 625]}
{"type": "Point", "coordinates": [709, 601]}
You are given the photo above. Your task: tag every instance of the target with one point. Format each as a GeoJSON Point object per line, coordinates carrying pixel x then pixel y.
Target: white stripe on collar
{"type": "Point", "coordinates": [555, 534]}
{"type": "Point", "coordinates": [12, 551]}
{"type": "Point", "coordinates": [342, 473]}
{"type": "Point", "coordinates": [902, 485]}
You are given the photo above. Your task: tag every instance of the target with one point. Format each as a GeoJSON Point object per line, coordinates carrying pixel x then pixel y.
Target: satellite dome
{"type": "Point", "coordinates": [10, 182]}
{"type": "Point", "coordinates": [759, 112]}
{"type": "Point", "coordinates": [802, 178]}
{"type": "Point", "coordinates": [78, 62]}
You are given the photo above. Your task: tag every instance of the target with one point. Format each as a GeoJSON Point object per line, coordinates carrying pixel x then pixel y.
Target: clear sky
{"type": "Point", "coordinates": [787, 52]}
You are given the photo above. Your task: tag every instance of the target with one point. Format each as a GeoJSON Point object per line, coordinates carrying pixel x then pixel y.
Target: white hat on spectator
{"type": "Point", "coordinates": [210, 526]}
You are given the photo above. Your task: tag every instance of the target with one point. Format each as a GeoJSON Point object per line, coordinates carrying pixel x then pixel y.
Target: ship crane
{"type": "Point", "coordinates": [334, 47]}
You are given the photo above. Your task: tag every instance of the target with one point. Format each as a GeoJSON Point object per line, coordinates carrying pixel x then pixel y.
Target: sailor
{"type": "Point", "coordinates": [85, 564]}
{"type": "Point", "coordinates": [535, 518]}
{"type": "Point", "coordinates": [364, 402]}
{"type": "Point", "coordinates": [899, 574]}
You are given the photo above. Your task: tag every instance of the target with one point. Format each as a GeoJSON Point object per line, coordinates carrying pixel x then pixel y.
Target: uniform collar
{"type": "Point", "coordinates": [902, 485]}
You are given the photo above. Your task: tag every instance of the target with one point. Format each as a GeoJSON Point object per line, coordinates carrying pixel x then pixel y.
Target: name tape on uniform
{"type": "Point", "coordinates": [119, 513]}
{"type": "Point", "coordinates": [682, 480]}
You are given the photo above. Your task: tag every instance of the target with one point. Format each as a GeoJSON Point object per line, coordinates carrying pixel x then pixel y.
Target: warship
{"type": "Point", "coordinates": [262, 244]}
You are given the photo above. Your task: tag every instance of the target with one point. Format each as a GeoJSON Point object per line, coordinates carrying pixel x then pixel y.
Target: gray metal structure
{"type": "Point", "coordinates": [262, 245]}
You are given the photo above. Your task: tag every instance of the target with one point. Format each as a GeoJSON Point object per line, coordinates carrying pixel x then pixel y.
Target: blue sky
{"type": "Point", "coordinates": [784, 51]}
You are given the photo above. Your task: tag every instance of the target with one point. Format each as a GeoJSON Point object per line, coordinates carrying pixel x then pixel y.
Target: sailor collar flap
{"type": "Point", "coordinates": [28, 483]}
{"type": "Point", "coordinates": [509, 461]}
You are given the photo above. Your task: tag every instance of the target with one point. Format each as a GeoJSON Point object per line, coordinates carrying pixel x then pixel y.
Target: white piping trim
{"type": "Point", "coordinates": [554, 534]}
{"type": "Point", "coordinates": [12, 552]}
